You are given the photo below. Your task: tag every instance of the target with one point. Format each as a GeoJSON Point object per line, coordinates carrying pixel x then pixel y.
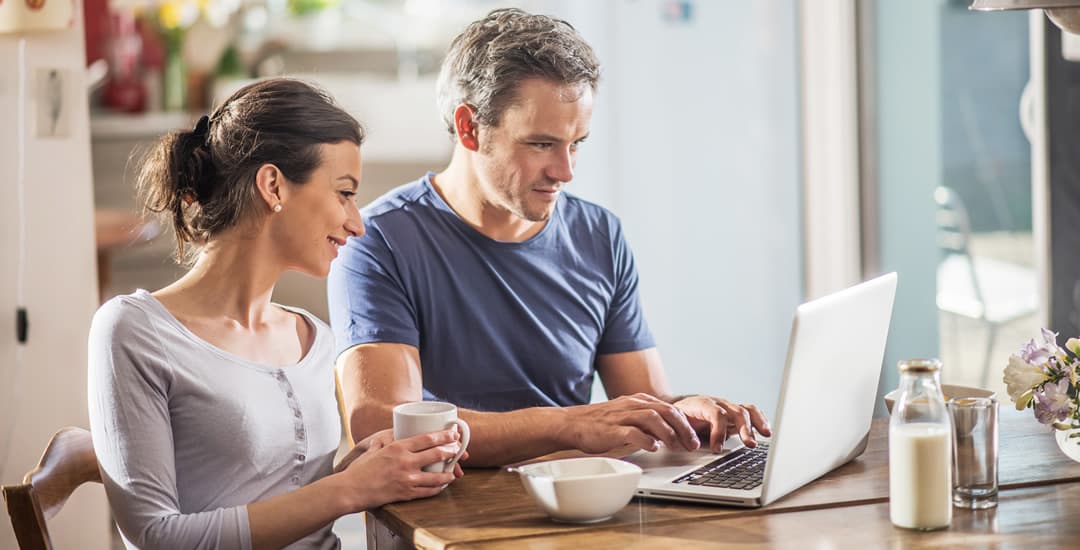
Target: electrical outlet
{"type": "Point", "coordinates": [53, 108]}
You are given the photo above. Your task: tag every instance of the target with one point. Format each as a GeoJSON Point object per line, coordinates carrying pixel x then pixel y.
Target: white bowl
{"type": "Point", "coordinates": [581, 490]}
{"type": "Point", "coordinates": [950, 390]}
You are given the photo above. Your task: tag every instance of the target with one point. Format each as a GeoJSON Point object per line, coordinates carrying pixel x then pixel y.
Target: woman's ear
{"type": "Point", "coordinates": [269, 182]}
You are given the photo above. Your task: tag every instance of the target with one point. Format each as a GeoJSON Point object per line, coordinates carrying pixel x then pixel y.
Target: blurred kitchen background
{"type": "Point", "coordinates": [165, 64]}
{"type": "Point", "coordinates": [696, 168]}
{"type": "Point", "coordinates": [760, 153]}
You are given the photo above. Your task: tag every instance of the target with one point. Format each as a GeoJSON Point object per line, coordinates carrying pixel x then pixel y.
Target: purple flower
{"type": "Point", "coordinates": [1038, 354]}
{"type": "Point", "coordinates": [1052, 403]}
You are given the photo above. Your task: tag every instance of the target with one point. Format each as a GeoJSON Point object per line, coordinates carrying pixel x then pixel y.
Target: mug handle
{"type": "Point", "coordinates": [463, 427]}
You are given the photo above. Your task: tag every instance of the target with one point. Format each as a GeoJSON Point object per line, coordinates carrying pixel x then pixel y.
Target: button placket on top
{"type": "Point", "coordinates": [300, 433]}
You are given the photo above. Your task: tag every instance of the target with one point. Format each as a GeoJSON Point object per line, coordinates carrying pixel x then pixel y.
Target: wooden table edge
{"type": "Point", "coordinates": [422, 538]}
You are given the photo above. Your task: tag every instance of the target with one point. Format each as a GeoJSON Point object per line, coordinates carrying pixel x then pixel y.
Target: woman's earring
{"type": "Point", "coordinates": [277, 207]}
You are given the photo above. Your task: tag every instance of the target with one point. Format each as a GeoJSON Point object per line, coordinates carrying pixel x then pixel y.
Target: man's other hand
{"type": "Point", "coordinates": [720, 418]}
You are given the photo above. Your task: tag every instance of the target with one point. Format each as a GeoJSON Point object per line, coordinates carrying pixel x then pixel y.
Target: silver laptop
{"type": "Point", "coordinates": [822, 417]}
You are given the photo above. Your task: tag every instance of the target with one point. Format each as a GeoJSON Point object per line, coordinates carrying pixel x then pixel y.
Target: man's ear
{"type": "Point", "coordinates": [465, 127]}
{"type": "Point", "coordinates": [269, 182]}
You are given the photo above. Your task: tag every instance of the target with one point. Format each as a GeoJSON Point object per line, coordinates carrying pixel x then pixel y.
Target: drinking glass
{"type": "Point", "coordinates": [975, 452]}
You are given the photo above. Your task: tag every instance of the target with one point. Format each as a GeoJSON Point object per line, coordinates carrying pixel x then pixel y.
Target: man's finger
{"type": "Point", "coordinates": [654, 424]}
{"type": "Point", "coordinates": [638, 439]}
{"type": "Point", "coordinates": [740, 420]}
{"type": "Point", "coordinates": [757, 418]}
{"type": "Point", "coordinates": [717, 443]}
{"type": "Point", "coordinates": [718, 426]}
{"type": "Point", "coordinates": [746, 431]}
{"type": "Point", "coordinates": [675, 418]}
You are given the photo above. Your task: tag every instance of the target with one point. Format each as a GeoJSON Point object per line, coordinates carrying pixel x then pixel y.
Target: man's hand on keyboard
{"type": "Point", "coordinates": [639, 420]}
{"type": "Point", "coordinates": [720, 417]}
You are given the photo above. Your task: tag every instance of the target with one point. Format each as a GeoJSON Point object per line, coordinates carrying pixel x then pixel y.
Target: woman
{"type": "Point", "coordinates": [212, 409]}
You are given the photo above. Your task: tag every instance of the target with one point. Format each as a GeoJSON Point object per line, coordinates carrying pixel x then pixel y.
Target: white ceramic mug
{"type": "Point", "coordinates": [424, 417]}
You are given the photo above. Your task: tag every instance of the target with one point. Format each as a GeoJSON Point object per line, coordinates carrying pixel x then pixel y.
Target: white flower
{"type": "Point", "coordinates": [1021, 376]}
{"type": "Point", "coordinates": [1073, 345]}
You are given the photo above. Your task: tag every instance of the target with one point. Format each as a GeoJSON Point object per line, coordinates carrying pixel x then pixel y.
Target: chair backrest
{"type": "Point", "coordinates": [67, 463]}
{"type": "Point", "coordinates": [953, 227]}
{"type": "Point", "coordinates": [954, 233]}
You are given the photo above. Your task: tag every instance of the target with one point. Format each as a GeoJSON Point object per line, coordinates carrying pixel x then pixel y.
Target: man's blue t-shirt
{"type": "Point", "coordinates": [498, 325]}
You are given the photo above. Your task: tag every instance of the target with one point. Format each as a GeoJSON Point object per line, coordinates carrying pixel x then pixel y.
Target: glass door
{"type": "Point", "coordinates": [953, 185]}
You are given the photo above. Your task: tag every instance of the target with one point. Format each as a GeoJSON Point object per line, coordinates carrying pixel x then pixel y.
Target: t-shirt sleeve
{"type": "Point", "coordinates": [130, 425]}
{"type": "Point", "coordinates": [625, 328]}
{"type": "Point", "coordinates": [366, 295]}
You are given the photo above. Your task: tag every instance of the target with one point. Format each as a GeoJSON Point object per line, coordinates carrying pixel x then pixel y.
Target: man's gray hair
{"type": "Point", "coordinates": [492, 56]}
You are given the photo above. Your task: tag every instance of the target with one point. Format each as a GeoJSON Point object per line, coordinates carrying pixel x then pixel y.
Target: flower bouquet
{"type": "Point", "coordinates": [1043, 376]}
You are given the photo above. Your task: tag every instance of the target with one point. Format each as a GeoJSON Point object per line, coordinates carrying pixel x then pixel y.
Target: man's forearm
{"type": "Point", "coordinates": [508, 437]}
{"type": "Point", "coordinates": [497, 438]}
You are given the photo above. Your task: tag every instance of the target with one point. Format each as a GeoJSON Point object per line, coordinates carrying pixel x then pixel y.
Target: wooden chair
{"type": "Point", "coordinates": [67, 463]}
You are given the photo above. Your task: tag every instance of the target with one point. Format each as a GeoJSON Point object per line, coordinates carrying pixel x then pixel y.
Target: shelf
{"type": "Point", "coordinates": [106, 125]}
{"type": "Point", "coordinates": [401, 117]}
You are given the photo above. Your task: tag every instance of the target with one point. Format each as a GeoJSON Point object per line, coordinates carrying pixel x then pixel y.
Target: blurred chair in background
{"type": "Point", "coordinates": [992, 291]}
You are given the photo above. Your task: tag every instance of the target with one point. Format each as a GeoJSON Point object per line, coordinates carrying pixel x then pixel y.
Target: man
{"type": "Point", "coordinates": [486, 286]}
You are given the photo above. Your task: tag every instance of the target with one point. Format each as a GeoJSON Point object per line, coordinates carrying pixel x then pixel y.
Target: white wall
{"type": "Point", "coordinates": [49, 389]}
{"type": "Point", "coordinates": [694, 145]}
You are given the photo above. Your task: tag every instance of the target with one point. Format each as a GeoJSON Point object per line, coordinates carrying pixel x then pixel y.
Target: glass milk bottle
{"type": "Point", "coordinates": [920, 450]}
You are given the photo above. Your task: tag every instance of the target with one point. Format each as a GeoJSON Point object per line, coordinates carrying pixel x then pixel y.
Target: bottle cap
{"type": "Point", "coordinates": [919, 365]}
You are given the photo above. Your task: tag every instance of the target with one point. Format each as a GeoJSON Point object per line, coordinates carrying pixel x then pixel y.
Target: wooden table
{"type": "Point", "coordinates": [1033, 518]}
{"type": "Point", "coordinates": [848, 507]}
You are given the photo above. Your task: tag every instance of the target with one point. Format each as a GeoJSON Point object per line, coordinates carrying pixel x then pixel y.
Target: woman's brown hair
{"type": "Point", "coordinates": [203, 180]}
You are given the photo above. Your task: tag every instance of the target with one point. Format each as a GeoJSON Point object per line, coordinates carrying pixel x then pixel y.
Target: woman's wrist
{"type": "Point", "coordinates": [347, 497]}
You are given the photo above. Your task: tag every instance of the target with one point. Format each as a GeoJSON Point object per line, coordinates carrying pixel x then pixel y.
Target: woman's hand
{"type": "Point", "coordinates": [372, 442]}
{"type": "Point", "coordinates": [382, 470]}
{"type": "Point", "coordinates": [379, 440]}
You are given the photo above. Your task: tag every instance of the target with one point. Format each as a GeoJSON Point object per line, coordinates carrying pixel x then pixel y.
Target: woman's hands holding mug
{"type": "Point", "coordinates": [380, 470]}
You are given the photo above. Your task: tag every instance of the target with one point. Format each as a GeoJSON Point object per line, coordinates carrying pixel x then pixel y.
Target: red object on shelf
{"type": "Point", "coordinates": [96, 22]}
{"type": "Point", "coordinates": [125, 90]}
{"type": "Point", "coordinates": [127, 95]}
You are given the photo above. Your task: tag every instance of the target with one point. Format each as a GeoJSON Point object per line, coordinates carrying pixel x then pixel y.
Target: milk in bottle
{"type": "Point", "coordinates": [920, 450]}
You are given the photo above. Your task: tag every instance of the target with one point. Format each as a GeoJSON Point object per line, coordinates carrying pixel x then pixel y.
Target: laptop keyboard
{"type": "Point", "coordinates": [742, 469]}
